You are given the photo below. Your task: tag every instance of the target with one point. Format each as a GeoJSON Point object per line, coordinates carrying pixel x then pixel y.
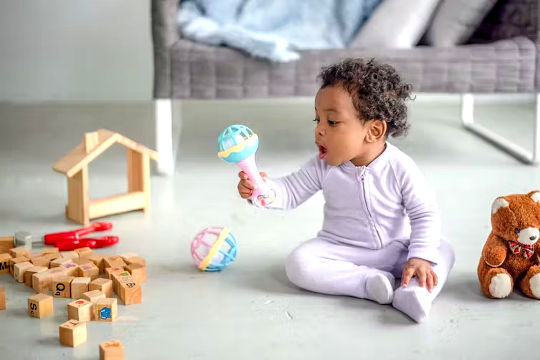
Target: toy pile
{"type": "Point", "coordinates": [88, 278]}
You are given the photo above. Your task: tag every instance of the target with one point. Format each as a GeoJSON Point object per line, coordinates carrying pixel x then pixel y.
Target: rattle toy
{"type": "Point", "coordinates": [214, 255]}
{"type": "Point", "coordinates": [238, 144]}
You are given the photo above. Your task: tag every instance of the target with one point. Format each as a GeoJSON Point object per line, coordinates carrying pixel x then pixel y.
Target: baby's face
{"type": "Point", "coordinates": [339, 133]}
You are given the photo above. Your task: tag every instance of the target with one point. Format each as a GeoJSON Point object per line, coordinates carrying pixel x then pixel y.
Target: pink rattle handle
{"type": "Point", "coordinates": [262, 195]}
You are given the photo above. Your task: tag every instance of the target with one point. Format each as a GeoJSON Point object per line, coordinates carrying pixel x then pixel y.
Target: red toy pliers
{"type": "Point", "coordinates": [71, 240]}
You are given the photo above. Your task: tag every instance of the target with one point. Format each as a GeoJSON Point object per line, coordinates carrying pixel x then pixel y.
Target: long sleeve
{"type": "Point", "coordinates": [423, 211]}
{"type": "Point", "coordinates": [294, 189]}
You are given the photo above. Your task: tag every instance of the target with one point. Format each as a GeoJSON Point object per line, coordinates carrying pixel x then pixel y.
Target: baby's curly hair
{"type": "Point", "coordinates": [376, 89]}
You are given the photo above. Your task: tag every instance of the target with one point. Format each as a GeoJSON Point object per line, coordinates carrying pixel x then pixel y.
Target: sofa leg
{"type": "Point", "coordinates": [518, 152]}
{"type": "Point", "coordinates": [164, 136]}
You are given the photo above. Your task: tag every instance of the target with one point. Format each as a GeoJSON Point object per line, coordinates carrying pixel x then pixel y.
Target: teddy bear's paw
{"type": "Point", "coordinates": [501, 286]}
{"type": "Point", "coordinates": [534, 283]}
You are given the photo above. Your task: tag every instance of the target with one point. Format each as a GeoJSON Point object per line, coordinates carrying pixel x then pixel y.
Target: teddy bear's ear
{"type": "Point", "coordinates": [497, 204]}
{"type": "Point", "coordinates": [535, 195]}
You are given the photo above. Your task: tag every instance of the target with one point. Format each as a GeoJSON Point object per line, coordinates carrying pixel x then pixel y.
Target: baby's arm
{"type": "Point", "coordinates": [423, 212]}
{"type": "Point", "coordinates": [294, 189]}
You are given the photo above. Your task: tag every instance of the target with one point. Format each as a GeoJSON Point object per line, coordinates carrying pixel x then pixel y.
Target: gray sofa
{"type": "Point", "coordinates": [501, 57]}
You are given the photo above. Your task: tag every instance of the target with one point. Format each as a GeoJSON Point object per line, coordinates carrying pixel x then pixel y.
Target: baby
{"type": "Point", "coordinates": [381, 221]}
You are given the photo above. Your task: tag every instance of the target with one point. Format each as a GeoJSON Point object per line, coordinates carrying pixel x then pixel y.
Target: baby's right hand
{"type": "Point", "coordinates": [246, 186]}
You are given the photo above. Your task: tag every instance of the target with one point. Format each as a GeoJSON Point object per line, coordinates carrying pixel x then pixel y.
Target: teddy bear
{"type": "Point", "coordinates": [510, 253]}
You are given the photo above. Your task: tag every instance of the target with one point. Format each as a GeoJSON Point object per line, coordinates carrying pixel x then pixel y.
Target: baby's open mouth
{"type": "Point", "coordinates": [322, 152]}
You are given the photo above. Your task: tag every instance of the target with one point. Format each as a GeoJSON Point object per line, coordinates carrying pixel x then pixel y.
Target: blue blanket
{"type": "Point", "coordinates": [274, 29]}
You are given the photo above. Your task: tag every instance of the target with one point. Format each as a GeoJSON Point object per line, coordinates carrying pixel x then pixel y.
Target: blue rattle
{"type": "Point", "coordinates": [238, 144]}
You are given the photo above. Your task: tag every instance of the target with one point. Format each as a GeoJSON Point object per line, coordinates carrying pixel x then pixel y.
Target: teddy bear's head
{"type": "Point", "coordinates": [517, 217]}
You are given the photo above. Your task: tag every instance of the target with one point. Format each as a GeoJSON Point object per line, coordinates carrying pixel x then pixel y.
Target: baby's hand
{"type": "Point", "coordinates": [245, 186]}
{"type": "Point", "coordinates": [422, 269]}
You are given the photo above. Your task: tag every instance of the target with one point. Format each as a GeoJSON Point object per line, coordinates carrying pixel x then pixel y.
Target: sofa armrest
{"type": "Point", "coordinates": [164, 35]}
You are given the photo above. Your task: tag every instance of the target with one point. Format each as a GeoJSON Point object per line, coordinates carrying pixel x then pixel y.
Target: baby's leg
{"type": "Point", "coordinates": [416, 301]}
{"type": "Point", "coordinates": [336, 269]}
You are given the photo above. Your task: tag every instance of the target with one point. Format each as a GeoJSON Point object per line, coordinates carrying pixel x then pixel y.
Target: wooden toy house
{"type": "Point", "coordinates": [75, 166]}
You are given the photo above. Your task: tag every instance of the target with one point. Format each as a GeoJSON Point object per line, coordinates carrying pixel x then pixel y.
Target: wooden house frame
{"type": "Point", "coordinates": [80, 208]}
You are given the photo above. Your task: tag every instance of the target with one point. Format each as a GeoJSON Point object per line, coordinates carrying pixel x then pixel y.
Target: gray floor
{"type": "Point", "coordinates": [187, 314]}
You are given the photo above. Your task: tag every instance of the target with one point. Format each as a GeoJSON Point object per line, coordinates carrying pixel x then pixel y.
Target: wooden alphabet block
{"type": "Point", "coordinates": [111, 350]}
{"type": "Point", "coordinates": [128, 255]}
{"type": "Point", "coordinates": [129, 291]}
{"type": "Point", "coordinates": [93, 296]}
{"type": "Point", "coordinates": [81, 310]}
{"type": "Point", "coordinates": [40, 261]}
{"type": "Point", "coordinates": [40, 305]}
{"type": "Point", "coordinates": [57, 271]}
{"type": "Point", "coordinates": [106, 310]}
{"type": "Point", "coordinates": [136, 260]}
{"type": "Point", "coordinates": [42, 282]}
{"type": "Point", "coordinates": [70, 254]}
{"type": "Point", "coordinates": [79, 286]}
{"type": "Point", "coordinates": [14, 261]}
{"type": "Point", "coordinates": [117, 277]}
{"type": "Point", "coordinates": [98, 261]}
{"type": "Point", "coordinates": [111, 271]}
{"type": "Point", "coordinates": [113, 262]}
{"type": "Point", "coordinates": [4, 263]}
{"type": "Point", "coordinates": [19, 269]}
{"type": "Point", "coordinates": [30, 272]}
{"type": "Point", "coordinates": [50, 250]}
{"type": "Point", "coordinates": [73, 333]}
{"type": "Point", "coordinates": [84, 253]}
{"type": "Point", "coordinates": [2, 298]}
{"type": "Point", "coordinates": [89, 270]}
{"type": "Point", "coordinates": [103, 285]}
{"type": "Point", "coordinates": [61, 287]}
{"type": "Point", "coordinates": [53, 256]}
{"type": "Point", "coordinates": [70, 268]}
{"type": "Point", "coordinates": [83, 250]}
{"type": "Point", "coordinates": [6, 244]}
{"type": "Point", "coordinates": [19, 252]}
{"type": "Point", "coordinates": [82, 261]}
{"type": "Point", "coordinates": [60, 261]}
{"type": "Point", "coordinates": [138, 272]}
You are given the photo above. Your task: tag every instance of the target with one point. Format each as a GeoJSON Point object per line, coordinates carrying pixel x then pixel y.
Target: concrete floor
{"type": "Point", "coordinates": [187, 314]}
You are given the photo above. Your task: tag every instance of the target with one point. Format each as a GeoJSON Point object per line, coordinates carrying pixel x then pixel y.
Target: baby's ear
{"type": "Point", "coordinates": [377, 130]}
{"type": "Point", "coordinates": [498, 204]}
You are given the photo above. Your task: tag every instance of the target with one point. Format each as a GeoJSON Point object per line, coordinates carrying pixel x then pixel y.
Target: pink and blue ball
{"type": "Point", "coordinates": [206, 241]}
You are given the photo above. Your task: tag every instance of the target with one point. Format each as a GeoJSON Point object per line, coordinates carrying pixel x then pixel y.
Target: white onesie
{"type": "Point", "coordinates": [376, 218]}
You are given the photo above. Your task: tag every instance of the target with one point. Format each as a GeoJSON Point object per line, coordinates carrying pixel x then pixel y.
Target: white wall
{"type": "Point", "coordinates": [75, 50]}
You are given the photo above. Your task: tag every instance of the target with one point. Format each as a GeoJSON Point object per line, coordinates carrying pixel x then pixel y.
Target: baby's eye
{"type": "Point", "coordinates": [317, 120]}
{"type": "Point", "coordinates": [332, 123]}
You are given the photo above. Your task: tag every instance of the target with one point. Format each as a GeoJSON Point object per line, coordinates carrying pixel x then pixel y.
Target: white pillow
{"type": "Point", "coordinates": [456, 21]}
{"type": "Point", "coordinates": [396, 24]}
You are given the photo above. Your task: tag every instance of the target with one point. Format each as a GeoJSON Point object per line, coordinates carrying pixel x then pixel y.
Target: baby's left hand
{"type": "Point", "coordinates": [422, 269]}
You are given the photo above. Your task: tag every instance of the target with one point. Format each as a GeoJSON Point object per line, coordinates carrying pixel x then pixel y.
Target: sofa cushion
{"type": "Point", "coordinates": [206, 72]}
{"type": "Point", "coordinates": [396, 24]}
{"type": "Point", "coordinates": [456, 21]}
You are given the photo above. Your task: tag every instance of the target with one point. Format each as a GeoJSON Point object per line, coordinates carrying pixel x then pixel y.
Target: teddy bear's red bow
{"type": "Point", "coordinates": [515, 247]}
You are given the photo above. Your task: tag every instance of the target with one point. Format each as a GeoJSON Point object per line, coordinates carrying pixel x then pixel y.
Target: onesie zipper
{"type": "Point", "coordinates": [372, 222]}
